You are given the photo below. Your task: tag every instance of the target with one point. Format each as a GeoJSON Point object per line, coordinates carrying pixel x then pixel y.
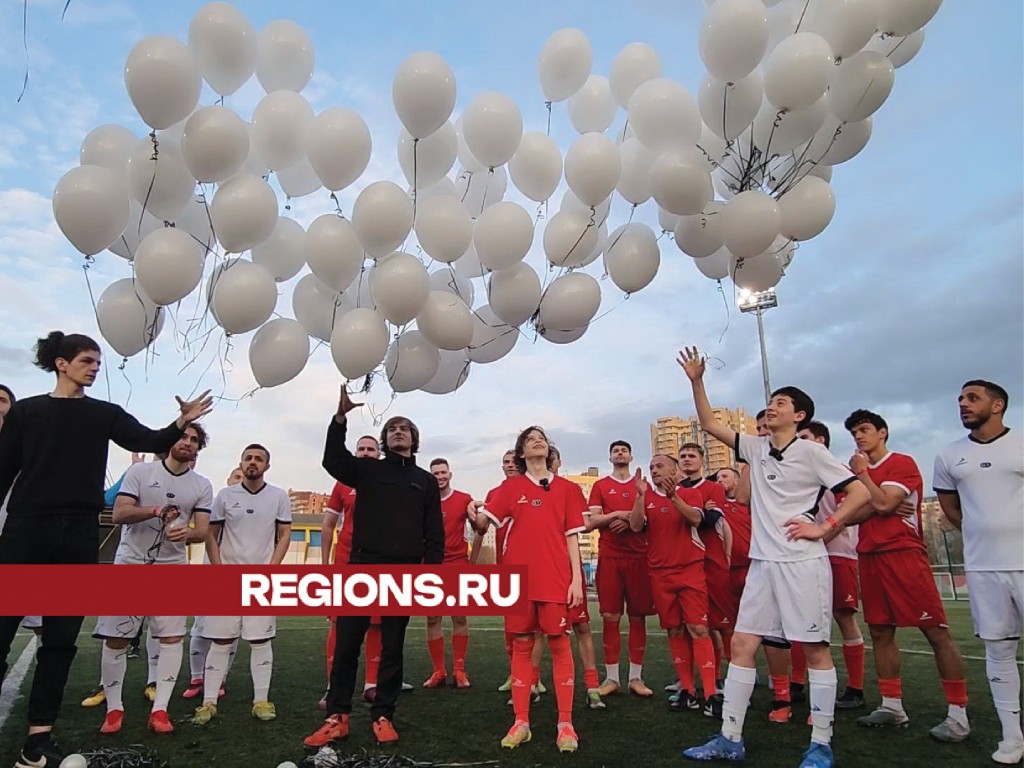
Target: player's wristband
{"type": "Point", "coordinates": [862, 472]}
{"type": "Point", "coordinates": [831, 522]}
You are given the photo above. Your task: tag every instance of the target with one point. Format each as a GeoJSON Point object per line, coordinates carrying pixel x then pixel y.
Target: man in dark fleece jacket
{"type": "Point", "coordinates": [397, 520]}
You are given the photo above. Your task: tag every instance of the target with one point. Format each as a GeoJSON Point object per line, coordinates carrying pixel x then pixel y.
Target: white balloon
{"type": "Point", "coordinates": [480, 189]}
{"type": "Point", "coordinates": [632, 258]}
{"type": "Point", "coordinates": [634, 65]}
{"type": "Point", "coordinates": [502, 236]}
{"type": "Point", "coordinates": [278, 352]}
{"type": "Point", "coordinates": [443, 228]}
{"type": "Point", "coordinates": [254, 163]}
{"type": "Point", "coordinates": [427, 160]}
{"type": "Point", "coordinates": [564, 64]}
{"type": "Point", "coordinates": [468, 265]}
{"type": "Point", "coordinates": [780, 130]}
{"type": "Point", "coordinates": [602, 243]}
{"type": "Point", "coordinates": [750, 222]}
{"type": "Point", "coordinates": [447, 279]}
{"type": "Point", "coordinates": [711, 147]}
{"type": "Point", "coordinates": [716, 266]}
{"type": "Point", "coordinates": [316, 306]}
{"type": "Point", "coordinates": [244, 297]}
{"type": "Point", "coordinates": [338, 146]}
{"type": "Point", "coordinates": [400, 286]}
{"type": "Point", "coordinates": [128, 318]}
{"type": "Point", "coordinates": [382, 217]}
{"type": "Point", "coordinates": [635, 179]}
{"type": "Point", "coordinates": [663, 114]}
{"type": "Point", "coordinates": [333, 251]}
{"type": "Point", "coordinates": [861, 85]}
{"type": "Point", "coordinates": [727, 110]}
{"type": "Point", "coordinates": [282, 254]}
{"type": "Point", "coordinates": [571, 301]}
{"type": "Point", "coordinates": [451, 373]}
{"type": "Point", "coordinates": [493, 128]}
{"type": "Point", "coordinates": [592, 108]}
{"type": "Point", "coordinates": [599, 213]}
{"type": "Point", "coordinates": [285, 57]}
{"type": "Point", "coordinates": [798, 71]}
{"type": "Point", "coordinates": [423, 92]}
{"type": "Point", "coordinates": [159, 179]}
{"type": "Point", "coordinates": [563, 337]}
{"type": "Point", "coordinates": [466, 158]}
{"type": "Point", "coordinates": [127, 244]}
{"type": "Point", "coordinates": [214, 144]}
{"type": "Point", "coordinates": [359, 342]}
{"type": "Point", "coordinates": [536, 167]}
{"type": "Point", "coordinates": [900, 50]}
{"type": "Point", "coordinates": [569, 238]}
{"type": "Point", "coordinates": [592, 168]}
{"type": "Point", "coordinates": [667, 220]}
{"type": "Point", "coordinates": [445, 321]}
{"type": "Point", "coordinates": [807, 208]}
{"type": "Point", "coordinates": [109, 146]}
{"type": "Point", "coordinates": [492, 337]}
{"type": "Point", "coordinates": [163, 80]}
{"type": "Point", "coordinates": [758, 273]}
{"type": "Point", "coordinates": [837, 142]}
{"type": "Point", "coordinates": [298, 179]}
{"type": "Point", "coordinates": [280, 124]}
{"type": "Point", "coordinates": [169, 265]}
{"type": "Point", "coordinates": [223, 43]}
{"type": "Point", "coordinates": [733, 37]}
{"type": "Point", "coordinates": [700, 236]}
{"type": "Point", "coordinates": [514, 293]}
{"type": "Point", "coordinates": [90, 204]}
{"type": "Point", "coordinates": [907, 16]}
{"type": "Point", "coordinates": [680, 182]}
{"type": "Point", "coordinates": [244, 213]}
{"type": "Point", "coordinates": [846, 25]}
{"type": "Point", "coordinates": [194, 219]}
{"type": "Point", "coordinates": [411, 362]}
{"type": "Point", "coordinates": [444, 187]}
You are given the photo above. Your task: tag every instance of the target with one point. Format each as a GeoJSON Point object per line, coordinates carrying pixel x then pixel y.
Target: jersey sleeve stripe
{"type": "Point", "coordinates": [944, 490]}
{"type": "Point", "coordinates": [495, 521]}
{"type": "Point", "coordinates": [895, 484]}
{"type": "Point", "coordinates": [128, 495]}
{"type": "Point", "coordinates": [201, 509]}
{"type": "Point", "coordinates": [579, 529]}
{"type": "Point", "coordinates": [839, 487]}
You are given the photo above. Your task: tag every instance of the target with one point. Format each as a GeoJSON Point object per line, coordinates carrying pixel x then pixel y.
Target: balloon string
{"type": "Point", "coordinates": [155, 159]}
{"type": "Point", "coordinates": [24, 40]}
{"type": "Point", "coordinates": [548, 105]}
{"type": "Point", "coordinates": [65, 10]}
{"type": "Point", "coordinates": [337, 205]}
{"type": "Point", "coordinates": [415, 191]}
{"type": "Point", "coordinates": [728, 313]}
{"type": "Point", "coordinates": [89, 260]}
{"type": "Point", "coordinates": [121, 368]}
{"type": "Point", "coordinates": [803, 13]}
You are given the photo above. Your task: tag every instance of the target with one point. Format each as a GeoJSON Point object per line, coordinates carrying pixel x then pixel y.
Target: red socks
{"type": "Point", "coordinates": [799, 674]}
{"type": "Point", "coordinates": [564, 673]}
{"type": "Point", "coordinates": [436, 648]}
{"type": "Point", "coordinates": [853, 656]}
{"type": "Point", "coordinates": [460, 643]}
{"type": "Point", "coordinates": [372, 653]}
{"type": "Point", "coordinates": [522, 671]}
{"type": "Point", "coordinates": [890, 687]}
{"type": "Point", "coordinates": [332, 639]}
{"type": "Point", "coordinates": [956, 692]}
{"type": "Point", "coordinates": [637, 639]}
{"type": "Point", "coordinates": [682, 660]}
{"type": "Point", "coordinates": [612, 641]}
{"type": "Point", "coordinates": [509, 637]}
{"type": "Point", "coordinates": [780, 687]}
{"type": "Point", "coordinates": [704, 655]}
{"type": "Point", "coordinates": [590, 679]}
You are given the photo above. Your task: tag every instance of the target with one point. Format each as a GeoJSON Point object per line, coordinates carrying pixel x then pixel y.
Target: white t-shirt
{"type": "Point", "coordinates": [845, 544]}
{"type": "Point", "coordinates": [152, 484]}
{"type": "Point", "coordinates": [784, 486]}
{"type": "Point", "coordinates": [990, 480]}
{"type": "Point", "coordinates": [248, 522]}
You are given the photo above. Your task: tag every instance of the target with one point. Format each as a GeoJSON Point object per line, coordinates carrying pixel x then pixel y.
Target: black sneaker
{"type": "Point", "coordinates": [852, 698]}
{"type": "Point", "coordinates": [133, 652]}
{"type": "Point", "coordinates": [713, 706]}
{"type": "Point", "coordinates": [796, 693]}
{"type": "Point", "coordinates": [683, 701]}
{"type": "Point", "coordinates": [42, 754]}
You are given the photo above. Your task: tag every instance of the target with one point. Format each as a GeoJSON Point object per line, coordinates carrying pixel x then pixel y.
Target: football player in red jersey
{"type": "Point", "coordinates": [455, 507]}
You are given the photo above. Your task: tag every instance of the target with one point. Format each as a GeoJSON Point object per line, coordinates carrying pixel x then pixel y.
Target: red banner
{"type": "Point", "coordinates": [266, 590]}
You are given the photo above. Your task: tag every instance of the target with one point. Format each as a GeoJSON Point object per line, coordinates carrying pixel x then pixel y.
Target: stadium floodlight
{"type": "Point", "coordinates": [759, 302]}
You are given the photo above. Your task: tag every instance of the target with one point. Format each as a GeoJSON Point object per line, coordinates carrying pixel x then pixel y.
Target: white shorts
{"type": "Point", "coordinates": [792, 601]}
{"type": "Point", "coordinates": [997, 603]}
{"type": "Point", "coordinates": [249, 628]}
{"type": "Point", "coordinates": [32, 622]}
{"type": "Point", "coordinates": [127, 627]}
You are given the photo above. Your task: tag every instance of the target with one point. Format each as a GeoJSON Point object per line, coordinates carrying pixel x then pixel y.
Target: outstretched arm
{"type": "Point", "coordinates": [692, 364]}
{"type": "Point", "coordinates": [338, 459]}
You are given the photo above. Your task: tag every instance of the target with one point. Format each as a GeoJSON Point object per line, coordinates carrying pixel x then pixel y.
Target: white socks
{"type": "Point", "coordinates": [1004, 681]}
{"type": "Point", "coordinates": [198, 649]}
{"type": "Point", "coordinates": [636, 671]}
{"type": "Point", "coordinates": [739, 685]}
{"type": "Point", "coordinates": [896, 705]}
{"type": "Point", "coordinates": [113, 665]}
{"type": "Point", "coordinates": [217, 661]}
{"type": "Point", "coordinates": [152, 656]}
{"type": "Point", "coordinates": [261, 666]}
{"type": "Point", "coordinates": [166, 674]}
{"type": "Point", "coordinates": [822, 685]}
{"type": "Point", "coordinates": [611, 672]}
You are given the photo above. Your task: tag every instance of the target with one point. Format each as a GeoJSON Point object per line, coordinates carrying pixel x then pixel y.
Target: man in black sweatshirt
{"type": "Point", "coordinates": [53, 460]}
{"type": "Point", "coordinates": [397, 520]}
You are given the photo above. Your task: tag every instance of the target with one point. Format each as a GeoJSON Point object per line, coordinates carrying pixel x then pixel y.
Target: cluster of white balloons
{"type": "Point", "coordinates": [790, 89]}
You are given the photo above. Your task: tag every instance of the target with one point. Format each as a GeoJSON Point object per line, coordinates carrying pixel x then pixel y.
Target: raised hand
{"type": "Point", "coordinates": [345, 404]}
{"type": "Point", "coordinates": [692, 363]}
{"type": "Point", "coordinates": [193, 410]}
{"type": "Point", "coordinates": [641, 484]}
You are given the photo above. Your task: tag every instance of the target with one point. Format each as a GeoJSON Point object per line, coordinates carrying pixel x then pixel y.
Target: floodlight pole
{"type": "Point", "coordinates": [764, 356]}
{"type": "Point", "coordinates": [757, 303]}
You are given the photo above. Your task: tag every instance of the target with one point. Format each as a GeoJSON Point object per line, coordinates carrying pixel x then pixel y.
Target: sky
{"type": "Point", "coordinates": [915, 287]}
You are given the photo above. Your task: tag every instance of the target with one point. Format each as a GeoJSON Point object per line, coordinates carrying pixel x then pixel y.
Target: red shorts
{"type": "Point", "coordinates": [549, 618]}
{"type": "Point", "coordinates": [897, 589]}
{"type": "Point", "coordinates": [580, 615]}
{"type": "Point", "coordinates": [680, 595]}
{"type": "Point", "coordinates": [723, 605]}
{"type": "Point", "coordinates": [624, 581]}
{"type": "Point", "coordinates": [738, 580]}
{"type": "Point", "coordinates": [844, 585]}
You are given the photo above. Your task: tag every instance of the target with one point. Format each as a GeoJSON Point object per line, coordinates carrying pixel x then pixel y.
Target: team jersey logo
{"type": "Point", "coordinates": [155, 484]}
{"type": "Point", "coordinates": [650, 505]}
{"type": "Point", "coordinates": [986, 464]}
{"type": "Point", "coordinates": [522, 499]}
{"type": "Point", "coordinates": [663, 510]}
{"type": "Point", "coordinates": [536, 502]}
{"type": "Point", "coordinates": [625, 494]}
{"type": "Point", "coordinates": [772, 477]}
{"type": "Point", "coordinates": [611, 491]}
{"type": "Point", "coordinates": [961, 462]}
{"type": "Point", "coordinates": [250, 511]}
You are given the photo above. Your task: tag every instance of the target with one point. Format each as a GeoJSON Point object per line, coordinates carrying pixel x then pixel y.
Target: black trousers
{"type": "Point", "coordinates": [71, 539]}
{"type": "Point", "coordinates": [350, 633]}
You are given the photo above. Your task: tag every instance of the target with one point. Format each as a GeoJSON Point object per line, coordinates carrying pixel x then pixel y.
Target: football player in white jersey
{"type": "Point", "coordinates": [250, 524]}
{"type": "Point", "coordinates": [979, 480]}
{"type": "Point", "coordinates": [156, 503]}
